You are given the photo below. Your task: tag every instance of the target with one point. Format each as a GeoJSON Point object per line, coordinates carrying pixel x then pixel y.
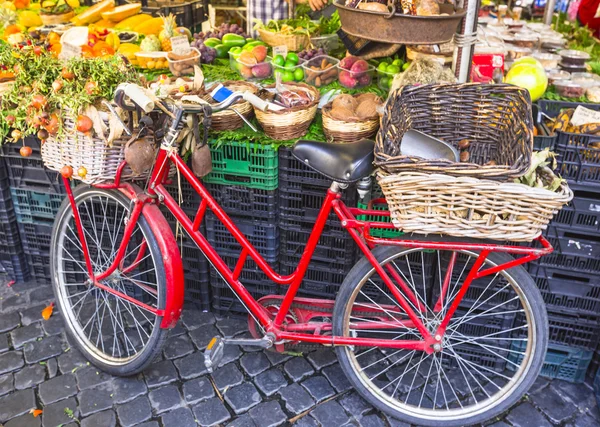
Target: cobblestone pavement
{"type": "Point", "coordinates": [39, 369]}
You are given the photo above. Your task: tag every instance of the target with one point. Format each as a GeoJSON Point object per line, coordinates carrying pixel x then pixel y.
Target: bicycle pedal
{"type": "Point", "coordinates": [213, 353]}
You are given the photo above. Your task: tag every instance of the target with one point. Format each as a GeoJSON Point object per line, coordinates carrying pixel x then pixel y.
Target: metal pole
{"type": "Point", "coordinates": [463, 56]}
{"type": "Point", "coordinates": [549, 11]}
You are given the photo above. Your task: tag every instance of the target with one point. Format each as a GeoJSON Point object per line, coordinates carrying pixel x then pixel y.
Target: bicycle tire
{"type": "Point", "coordinates": [360, 380]}
{"type": "Point", "coordinates": [152, 348]}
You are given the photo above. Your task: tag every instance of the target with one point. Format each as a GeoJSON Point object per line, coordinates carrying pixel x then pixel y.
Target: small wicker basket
{"type": "Point", "coordinates": [496, 119]}
{"type": "Point", "coordinates": [76, 149]}
{"type": "Point", "coordinates": [290, 123]}
{"type": "Point", "coordinates": [228, 119]}
{"type": "Point", "coordinates": [469, 207]}
{"type": "Point", "coordinates": [347, 131]}
{"type": "Point", "coordinates": [293, 42]}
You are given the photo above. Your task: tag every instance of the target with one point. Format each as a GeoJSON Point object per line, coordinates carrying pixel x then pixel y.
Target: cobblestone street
{"type": "Point", "coordinates": [39, 369]}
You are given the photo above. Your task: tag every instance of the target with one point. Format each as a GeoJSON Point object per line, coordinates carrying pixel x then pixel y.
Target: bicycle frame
{"type": "Point", "coordinates": [309, 331]}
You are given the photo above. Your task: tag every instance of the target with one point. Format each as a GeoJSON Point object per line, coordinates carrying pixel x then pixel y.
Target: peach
{"type": "Point", "coordinates": [260, 52]}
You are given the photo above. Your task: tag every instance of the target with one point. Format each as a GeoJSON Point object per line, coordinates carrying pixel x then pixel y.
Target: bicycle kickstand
{"type": "Point", "coordinates": [214, 351]}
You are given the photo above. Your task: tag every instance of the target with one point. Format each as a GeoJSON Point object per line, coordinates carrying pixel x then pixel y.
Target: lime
{"type": "Point", "coordinates": [383, 82]}
{"type": "Point", "coordinates": [405, 66]}
{"type": "Point", "coordinates": [298, 74]}
{"type": "Point", "coordinates": [398, 62]}
{"type": "Point", "coordinates": [279, 60]}
{"type": "Point", "coordinates": [235, 49]}
{"type": "Point", "coordinates": [382, 67]}
{"type": "Point", "coordinates": [287, 76]}
{"type": "Point", "coordinates": [292, 57]}
{"type": "Point", "coordinates": [393, 69]}
{"type": "Point", "coordinates": [289, 65]}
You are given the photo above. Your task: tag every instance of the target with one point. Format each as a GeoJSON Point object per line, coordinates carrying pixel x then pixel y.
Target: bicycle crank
{"type": "Point", "coordinates": [214, 351]}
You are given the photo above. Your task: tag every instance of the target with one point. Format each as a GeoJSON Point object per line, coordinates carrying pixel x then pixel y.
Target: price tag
{"type": "Point", "coordinates": [69, 51]}
{"type": "Point", "coordinates": [180, 45]}
{"type": "Point", "coordinates": [280, 50]}
{"type": "Point", "coordinates": [584, 116]}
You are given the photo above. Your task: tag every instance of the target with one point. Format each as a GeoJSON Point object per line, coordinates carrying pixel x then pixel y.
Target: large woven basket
{"type": "Point", "coordinates": [290, 123]}
{"type": "Point", "coordinates": [469, 207]}
{"type": "Point", "coordinates": [228, 119]}
{"type": "Point", "coordinates": [347, 131]}
{"type": "Point", "coordinates": [76, 149]}
{"type": "Point", "coordinates": [496, 119]}
{"type": "Point", "coordinates": [293, 42]}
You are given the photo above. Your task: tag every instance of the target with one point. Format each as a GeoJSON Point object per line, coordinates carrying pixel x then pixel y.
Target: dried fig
{"type": "Point", "coordinates": [140, 154]}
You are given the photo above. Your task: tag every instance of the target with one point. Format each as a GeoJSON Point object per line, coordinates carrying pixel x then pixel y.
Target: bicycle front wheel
{"type": "Point", "coordinates": [114, 333]}
{"type": "Point", "coordinates": [492, 351]}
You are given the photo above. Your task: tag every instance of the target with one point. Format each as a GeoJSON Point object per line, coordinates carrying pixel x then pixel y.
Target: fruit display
{"type": "Point", "coordinates": [355, 108]}
{"type": "Point", "coordinates": [307, 54]}
{"type": "Point", "coordinates": [355, 72]}
{"type": "Point", "coordinates": [218, 43]}
{"type": "Point", "coordinates": [182, 65]}
{"type": "Point", "coordinates": [151, 60]}
{"type": "Point", "coordinates": [290, 67]}
{"type": "Point", "coordinates": [321, 70]}
{"type": "Point", "coordinates": [386, 71]}
{"type": "Point", "coordinates": [253, 64]}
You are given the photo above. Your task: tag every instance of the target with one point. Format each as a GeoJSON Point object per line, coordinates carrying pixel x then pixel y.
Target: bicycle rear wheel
{"type": "Point", "coordinates": [112, 332]}
{"type": "Point", "coordinates": [492, 351]}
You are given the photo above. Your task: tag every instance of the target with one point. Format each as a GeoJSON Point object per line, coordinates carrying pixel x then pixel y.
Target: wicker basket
{"type": "Point", "coordinates": [228, 119]}
{"type": "Point", "coordinates": [347, 131]}
{"type": "Point", "coordinates": [469, 207]}
{"type": "Point", "coordinates": [77, 150]}
{"type": "Point", "coordinates": [294, 42]}
{"type": "Point", "coordinates": [290, 123]}
{"type": "Point", "coordinates": [496, 119]}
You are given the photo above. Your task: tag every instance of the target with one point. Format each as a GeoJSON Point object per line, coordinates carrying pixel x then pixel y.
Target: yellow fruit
{"type": "Point", "coordinates": [9, 5]}
{"type": "Point", "coordinates": [120, 13]}
{"type": "Point", "coordinates": [113, 41]}
{"type": "Point", "coordinates": [27, 18]}
{"type": "Point", "coordinates": [35, 6]}
{"type": "Point", "coordinates": [73, 3]}
{"type": "Point", "coordinates": [151, 64]}
{"type": "Point", "coordinates": [94, 13]}
{"type": "Point", "coordinates": [47, 4]}
{"type": "Point", "coordinates": [167, 32]}
{"type": "Point", "coordinates": [151, 26]}
{"type": "Point", "coordinates": [103, 23]}
{"type": "Point", "coordinates": [128, 48]}
{"type": "Point", "coordinates": [132, 22]}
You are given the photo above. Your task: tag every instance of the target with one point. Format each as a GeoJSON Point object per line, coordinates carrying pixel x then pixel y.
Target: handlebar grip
{"type": "Point", "coordinates": [136, 94]}
{"type": "Point", "coordinates": [256, 101]}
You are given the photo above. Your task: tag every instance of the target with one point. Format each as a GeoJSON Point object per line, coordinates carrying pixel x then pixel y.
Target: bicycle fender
{"type": "Point", "coordinates": [171, 260]}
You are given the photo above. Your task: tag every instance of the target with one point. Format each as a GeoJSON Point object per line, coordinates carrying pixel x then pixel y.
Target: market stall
{"type": "Point", "coordinates": [325, 79]}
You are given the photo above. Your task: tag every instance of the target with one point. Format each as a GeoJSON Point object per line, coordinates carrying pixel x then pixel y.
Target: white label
{"type": "Point", "coordinates": [280, 50]}
{"type": "Point", "coordinates": [69, 51]}
{"type": "Point", "coordinates": [584, 116]}
{"type": "Point", "coordinates": [180, 45]}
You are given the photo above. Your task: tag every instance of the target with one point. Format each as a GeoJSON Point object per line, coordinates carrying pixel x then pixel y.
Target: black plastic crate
{"type": "Point", "coordinates": [579, 158]}
{"type": "Point", "coordinates": [225, 303]}
{"type": "Point", "coordinates": [251, 273]}
{"type": "Point", "coordinates": [197, 290]}
{"type": "Point", "coordinates": [14, 266]}
{"type": "Point", "coordinates": [39, 266]}
{"type": "Point", "coordinates": [263, 235]}
{"type": "Point", "coordinates": [193, 259]}
{"type": "Point", "coordinates": [30, 171]}
{"type": "Point", "coordinates": [320, 280]}
{"type": "Point", "coordinates": [189, 14]}
{"type": "Point", "coordinates": [552, 108]}
{"type": "Point", "coordinates": [292, 171]}
{"type": "Point", "coordinates": [479, 357]}
{"type": "Point", "coordinates": [482, 323]}
{"type": "Point", "coordinates": [567, 291]}
{"type": "Point", "coordinates": [575, 330]}
{"type": "Point", "coordinates": [334, 248]}
{"type": "Point", "coordinates": [35, 237]}
{"type": "Point", "coordinates": [545, 138]}
{"type": "Point", "coordinates": [582, 213]}
{"type": "Point", "coordinates": [245, 202]}
{"type": "Point", "coordinates": [190, 199]}
{"type": "Point", "coordinates": [572, 250]}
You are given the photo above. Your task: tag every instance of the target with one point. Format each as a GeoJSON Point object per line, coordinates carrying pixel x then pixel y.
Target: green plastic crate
{"type": "Point", "coordinates": [385, 233]}
{"type": "Point", "coordinates": [31, 205]}
{"type": "Point", "coordinates": [249, 165]}
{"type": "Point", "coordinates": [562, 362]}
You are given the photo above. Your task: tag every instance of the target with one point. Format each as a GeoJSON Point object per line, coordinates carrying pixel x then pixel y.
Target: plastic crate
{"type": "Point", "coordinates": [14, 266]}
{"type": "Point", "coordinates": [30, 171]}
{"type": "Point", "coordinates": [320, 280]}
{"type": "Point", "coordinates": [544, 139]}
{"type": "Point", "coordinates": [225, 303]}
{"type": "Point", "coordinates": [582, 213]}
{"type": "Point", "coordinates": [264, 236]}
{"type": "Point", "coordinates": [334, 248]}
{"type": "Point", "coordinates": [479, 357]}
{"type": "Point", "coordinates": [251, 273]}
{"type": "Point", "coordinates": [567, 290]}
{"type": "Point", "coordinates": [39, 266]}
{"type": "Point", "coordinates": [376, 193]}
{"type": "Point", "coordinates": [594, 365]}
{"type": "Point", "coordinates": [562, 362]}
{"type": "Point", "coordinates": [295, 172]}
{"type": "Point", "coordinates": [579, 158]}
{"type": "Point", "coordinates": [240, 201]}
{"type": "Point", "coordinates": [238, 163]}
{"type": "Point", "coordinates": [35, 237]}
{"type": "Point", "coordinates": [193, 259]}
{"type": "Point", "coordinates": [572, 250]}
{"type": "Point", "coordinates": [190, 199]}
{"type": "Point", "coordinates": [197, 290]}
{"type": "Point", "coordinates": [31, 205]}
{"type": "Point", "coordinates": [189, 15]}
{"type": "Point", "coordinates": [574, 330]}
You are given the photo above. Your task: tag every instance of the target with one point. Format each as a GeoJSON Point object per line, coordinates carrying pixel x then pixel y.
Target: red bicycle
{"type": "Point", "coordinates": [431, 331]}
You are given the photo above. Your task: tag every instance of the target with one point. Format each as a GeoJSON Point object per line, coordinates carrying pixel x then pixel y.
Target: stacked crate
{"type": "Point", "coordinates": [244, 183]}
{"type": "Point", "coordinates": [569, 278]}
{"type": "Point", "coordinates": [195, 264]}
{"type": "Point", "coordinates": [37, 194]}
{"type": "Point", "coordinates": [301, 194]}
{"type": "Point", "coordinates": [13, 263]}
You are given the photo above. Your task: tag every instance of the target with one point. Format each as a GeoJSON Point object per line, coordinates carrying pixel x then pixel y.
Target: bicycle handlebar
{"type": "Point", "coordinates": [139, 97]}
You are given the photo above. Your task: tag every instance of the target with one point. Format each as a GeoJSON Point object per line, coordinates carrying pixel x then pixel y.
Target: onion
{"type": "Point", "coordinates": [84, 123]}
{"type": "Point", "coordinates": [39, 102]}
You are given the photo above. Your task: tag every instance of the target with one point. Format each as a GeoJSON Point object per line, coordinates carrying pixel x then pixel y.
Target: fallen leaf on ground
{"type": "Point", "coordinates": [36, 412]}
{"type": "Point", "coordinates": [47, 312]}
